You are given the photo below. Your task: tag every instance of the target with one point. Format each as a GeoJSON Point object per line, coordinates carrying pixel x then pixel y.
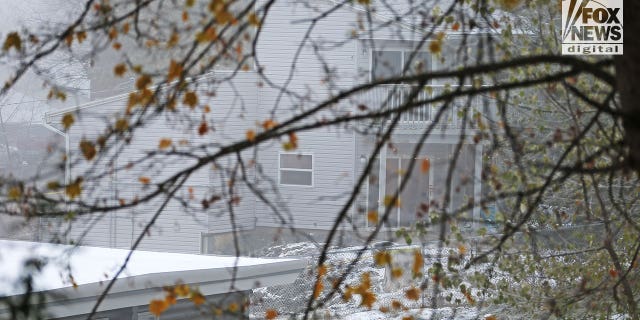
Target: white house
{"type": "Point", "coordinates": [311, 181]}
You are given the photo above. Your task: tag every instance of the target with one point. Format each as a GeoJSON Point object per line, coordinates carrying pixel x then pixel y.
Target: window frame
{"type": "Point", "coordinates": [403, 52]}
{"type": "Point", "coordinates": [280, 169]}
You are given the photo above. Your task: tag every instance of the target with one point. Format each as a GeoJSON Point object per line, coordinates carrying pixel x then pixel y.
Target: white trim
{"type": "Point", "coordinates": [312, 170]}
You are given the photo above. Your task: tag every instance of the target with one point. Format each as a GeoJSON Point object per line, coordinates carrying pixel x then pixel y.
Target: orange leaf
{"type": "Point", "coordinates": [317, 290]}
{"type": "Point", "coordinates": [144, 180]}
{"type": "Point", "coordinates": [143, 81]}
{"type": "Point", "coordinates": [418, 263]}
{"type": "Point", "coordinates": [197, 298]}
{"type": "Point", "coordinates": [157, 307]}
{"type": "Point", "coordinates": [164, 143]}
{"type": "Point", "coordinates": [425, 165]}
{"type": "Point", "coordinates": [268, 124]}
{"type": "Point", "coordinates": [372, 216]}
{"type": "Point", "coordinates": [270, 314]}
{"type": "Point", "coordinates": [455, 26]}
{"type": "Point", "coordinates": [613, 273]}
{"type": "Point", "coordinates": [251, 135]}
{"type": "Point", "coordinates": [490, 317]}
{"type": "Point", "coordinates": [182, 290]}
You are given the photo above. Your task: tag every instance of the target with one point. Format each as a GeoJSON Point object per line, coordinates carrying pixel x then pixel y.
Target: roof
{"type": "Point", "coordinates": [146, 273]}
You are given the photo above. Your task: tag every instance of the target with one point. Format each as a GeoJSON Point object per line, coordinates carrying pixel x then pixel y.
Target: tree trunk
{"type": "Point", "coordinates": [628, 81]}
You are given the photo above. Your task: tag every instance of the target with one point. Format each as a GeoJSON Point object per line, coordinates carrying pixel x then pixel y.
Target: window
{"type": "Point", "coordinates": [296, 169]}
{"type": "Point", "coordinates": [389, 63]}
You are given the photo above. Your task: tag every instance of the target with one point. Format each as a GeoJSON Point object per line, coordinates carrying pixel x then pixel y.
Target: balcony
{"type": "Point", "coordinates": [395, 96]}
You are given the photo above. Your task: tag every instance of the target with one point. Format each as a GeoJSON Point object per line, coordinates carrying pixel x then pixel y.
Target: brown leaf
{"type": "Point", "coordinates": [425, 165]}
{"type": "Point", "coordinates": [190, 99]}
{"type": "Point", "coordinates": [67, 121]}
{"type": "Point", "coordinates": [144, 180]}
{"type": "Point", "coordinates": [88, 149]}
{"type": "Point", "coordinates": [164, 143]}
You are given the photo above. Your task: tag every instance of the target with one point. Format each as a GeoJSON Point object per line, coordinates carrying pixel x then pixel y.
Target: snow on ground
{"type": "Point", "coordinates": [291, 300]}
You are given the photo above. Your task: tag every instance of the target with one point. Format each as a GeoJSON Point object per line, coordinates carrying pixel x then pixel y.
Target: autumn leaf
{"type": "Point", "coordinates": [81, 36]}
{"type": "Point", "coordinates": [182, 290]}
{"type": "Point", "coordinates": [143, 81]}
{"type": "Point", "coordinates": [490, 317]}
{"type": "Point", "coordinates": [53, 185]}
{"type": "Point", "coordinates": [170, 299]}
{"type": "Point", "coordinates": [197, 298]}
{"type": "Point", "coordinates": [175, 71]}
{"type": "Point", "coordinates": [122, 125]}
{"type": "Point", "coordinates": [254, 20]}
{"type": "Point", "coordinates": [157, 307]}
{"type": "Point", "coordinates": [270, 314]}
{"type": "Point", "coordinates": [412, 293]}
{"type": "Point", "coordinates": [435, 46]}
{"type": "Point", "coordinates": [455, 26]}
{"type": "Point", "coordinates": [233, 307]}
{"type": "Point", "coordinates": [251, 135]}
{"type": "Point", "coordinates": [425, 165]}
{"type": "Point", "coordinates": [396, 305]}
{"type": "Point", "coordinates": [12, 41]}
{"type": "Point", "coordinates": [144, 180]}
{"type": "Point", "coordinates": [14, 193]}
{"type": "Point", "coordinates": [203, 128]}
{"type": "Point", "coordinates": [207, 35]}
{"type": "Point", "coordinates": [462, 249]}
{"type": "Point", "coordinates": [190, 99]}
{"type": "Point", "coordinates": [418, 263]}
{"type": "Point", "coordinates": [389, 201]}
{"type": "Point", "coordinates": [164, 143]}
{"type": "Point", "coordinates": [317, 290]}
{"type": "Point", "coordinates": [120, 69]}
{"type": "Point", "coordinates": [268, 124]}
{"type": "Point", "coordinates": [88, 149]}
{"type": "Point", "coordinates": [396, 273]}
{"type": "Point", "coordinates": [382, 258]}
{"type": "Point", "coordinates": [75, 189]}
{"type": "Point", "coordinates": [613, 273]}
{"type": "Point", "coordinates": [368, 299]}
{"type": "Point", "coordinates": [67, 121]}
{"type": "Point", "coordinates": [372, 216]}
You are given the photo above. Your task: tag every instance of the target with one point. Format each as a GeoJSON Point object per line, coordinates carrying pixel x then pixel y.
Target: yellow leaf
{"type": "Point", "coordinates": [251, 135]}
{"type": "Point", "coordinates": [197, 298]}
{"type": "Point", "coordinates": [254, 20]}
{"type": "Point", "coordinates": [88, 149]}
{"type": "Point", "coordinates": [170, 299]}
{"type": "Point", "coordinates": [435, 46]}
{"type": "Point", "coordinates": [270, 314]}
{"type": "Point", "coordinates": [372, 216]}
{"type": "Point", "coordinates": [120, 69]}
{"type": "Point", "coordinates": [182, 290]}
{"type": "Point", "coordinates": [190, 3]}
{"type": "Point", "coordinates": [73, 190]}
{"type": "Point", "coordinates": [53, 185]}
{"type": "Point", "coordinates": [388, 201]}
{"type": "Point", "coordinates": [425, 165]}
{"type": "Point", "coordinates": [190, 99]}
{"type": "Point", "coordinates": [462, 249]}
{"type": "Point", "coordinates": [233, 307]}
{"type": "Point", "coordinates": [382, 258]}
{"type": "Point", "coordinates": [122, 125]}
{"type": "Point", "coordinates": [14, 193]}
{"type": "Point", "coordinates": [412, 293]}
{"type": "Point", "coordinates": [157, 307]}
{"type": "Point", "coordinates": [164, 143]}
{"type": "Point", "coordinates": [144, 180]}
{"type": "Point", "coordinates": [207, 35]}
{"type": "Point", "coordinates": [67, 121]}
{"type": "Point", "coordinates": [12, 41]}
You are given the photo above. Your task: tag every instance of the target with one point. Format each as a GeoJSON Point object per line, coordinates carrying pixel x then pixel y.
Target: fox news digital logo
{"type": "Point", "coordinates": [592, 27]}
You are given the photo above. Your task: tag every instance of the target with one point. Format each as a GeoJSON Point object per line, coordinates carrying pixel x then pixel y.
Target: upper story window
{"type": "Point", "coordinates": [296, 169]}
{"type": "Point", "coordinates": [390, 63]}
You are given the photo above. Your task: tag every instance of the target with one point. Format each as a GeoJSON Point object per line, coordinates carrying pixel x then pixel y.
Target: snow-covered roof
{"type": "Point", "coordinates": [91, 268]}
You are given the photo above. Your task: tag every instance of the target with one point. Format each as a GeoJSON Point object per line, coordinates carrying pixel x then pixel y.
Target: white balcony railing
{"type": "Point", "coordinates": [395, 96]}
